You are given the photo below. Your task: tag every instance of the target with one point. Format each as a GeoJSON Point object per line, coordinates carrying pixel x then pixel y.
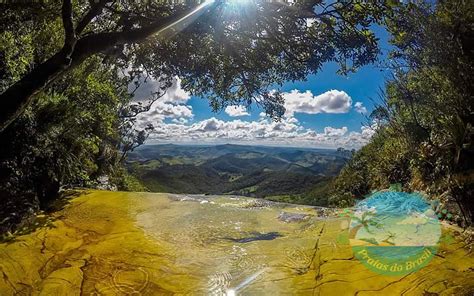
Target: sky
{"type": "Point", "coordinates": [325, 111]}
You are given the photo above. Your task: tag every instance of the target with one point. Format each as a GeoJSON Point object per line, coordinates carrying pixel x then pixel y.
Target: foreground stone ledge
{"type": "Point", "coordinates": [116, 243]}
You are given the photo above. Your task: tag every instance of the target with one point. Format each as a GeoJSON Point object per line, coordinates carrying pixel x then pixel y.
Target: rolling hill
{"type": "Point", "coordinates": [277, 173]}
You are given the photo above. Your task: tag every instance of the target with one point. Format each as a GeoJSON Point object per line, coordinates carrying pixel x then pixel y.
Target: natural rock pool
{"type": "Point", "coordinates": [119, 243]}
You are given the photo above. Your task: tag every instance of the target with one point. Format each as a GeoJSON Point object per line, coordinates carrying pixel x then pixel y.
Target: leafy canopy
{"type": "Point", "coordinates": [226, 51]}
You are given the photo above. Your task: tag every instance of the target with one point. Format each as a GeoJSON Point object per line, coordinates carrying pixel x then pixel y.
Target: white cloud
{"type": "Point", "coordinates": [159, 111]}
{"type": "Point", "coordinates": [208, 125]}
{"type": "Point", "coordinates": [174, 94]}
{"type": "Point", "coordinates": [236, 111]}
{"type": "Point", "coordinates": [333, 101]}
{"type": "Point", "coordinates": [360, 108]}
{"type": "Point", "coordinates": [289, 131]}
{"type": "Point", "coordinates": [263, 131]}
{"type": "Point", "coordinates": [181, 120]}
{"type": "Point", "coordinates": [171, 105]}
{"type": "Point", "coordinates": [335, 132]}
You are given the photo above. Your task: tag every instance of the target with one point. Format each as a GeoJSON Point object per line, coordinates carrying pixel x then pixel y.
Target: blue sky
{"type": "Point", "coordinates": [183, 119]}
{"type": "Point", "coordinates": [361, 86]}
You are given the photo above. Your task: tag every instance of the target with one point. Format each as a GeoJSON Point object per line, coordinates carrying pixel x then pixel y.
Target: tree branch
{"type": "Point", "coordinates": [15, 99]}
{"type": "Point", "coordinates": [99, 42]}
{"type": "Point", "coordinates": [133, 110]}
{"type": "Point", "coordinates": [95, 10]}
{"type": "Point", "coordinates": [70, 36]}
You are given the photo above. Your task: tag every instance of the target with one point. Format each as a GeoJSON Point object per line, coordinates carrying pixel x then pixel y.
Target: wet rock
{"type": "Point", "coordinates": [120, 243]}
{"type": "Point", "coordinates": [103, 183]}
{"type": "Point", "coordinates": [257, 203]}
{"type": "Point", "coordinates": [256, 236]}
{"type": "Point", "coordinates": [186, 197]}
{"type": "Point", "coordinates": [324, 213]}
{"type": "Point", "coordinates": [293, 217]}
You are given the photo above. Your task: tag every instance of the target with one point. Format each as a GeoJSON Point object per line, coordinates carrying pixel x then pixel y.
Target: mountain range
{"type": "Point", "coordinates": [277, 173]}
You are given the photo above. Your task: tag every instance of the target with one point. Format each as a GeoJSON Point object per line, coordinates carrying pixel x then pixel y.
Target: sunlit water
{"type": "Point", "coordinates": [229, 244]}
{"type": "Point", "coordinates": [114, 243]}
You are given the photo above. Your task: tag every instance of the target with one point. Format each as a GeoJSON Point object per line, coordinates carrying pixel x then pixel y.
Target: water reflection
{"type": "Point", "coordinates": [234, 242]}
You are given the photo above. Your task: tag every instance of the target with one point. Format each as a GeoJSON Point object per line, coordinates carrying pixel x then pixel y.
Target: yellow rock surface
{"type": "Point", "coordinates": [118, 243]}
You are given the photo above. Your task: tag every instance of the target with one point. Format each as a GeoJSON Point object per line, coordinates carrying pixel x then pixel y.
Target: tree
{"type": "Point", "coordinates": [225, 50]}
{"type": "Point", "coordinates": [68, 137]}
{"type": "Point", "coordinates": [425, 139]}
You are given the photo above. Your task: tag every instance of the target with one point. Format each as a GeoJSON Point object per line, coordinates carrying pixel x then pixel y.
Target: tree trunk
{"type": "Point", "coordinates": [14, 100]}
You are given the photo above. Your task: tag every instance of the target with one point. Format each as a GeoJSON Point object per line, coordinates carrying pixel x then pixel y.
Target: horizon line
{"type": "Point", "coordinates": [248, 145]}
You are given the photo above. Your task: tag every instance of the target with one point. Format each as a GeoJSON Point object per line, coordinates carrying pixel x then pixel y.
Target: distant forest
{"type": "Point", "coordinates": [276, 173]}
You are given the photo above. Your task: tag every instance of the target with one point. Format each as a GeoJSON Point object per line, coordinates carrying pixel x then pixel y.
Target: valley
{"type": "Point", "coordinates": [298, 175]}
